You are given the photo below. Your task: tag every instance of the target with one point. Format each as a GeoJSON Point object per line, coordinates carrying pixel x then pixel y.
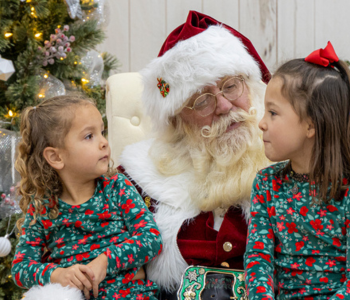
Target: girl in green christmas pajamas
{"type": "Point", "coordinates": [97, 229]}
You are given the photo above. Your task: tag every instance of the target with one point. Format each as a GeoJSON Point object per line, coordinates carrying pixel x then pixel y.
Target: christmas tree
{"type": "Point", "coordinates": [46, 49]}
{"type": "Point", "coordinates": [47, 40]}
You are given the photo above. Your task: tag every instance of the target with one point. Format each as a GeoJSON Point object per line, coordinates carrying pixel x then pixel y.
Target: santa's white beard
{"type": "Point", "coordinates": [223, 163]}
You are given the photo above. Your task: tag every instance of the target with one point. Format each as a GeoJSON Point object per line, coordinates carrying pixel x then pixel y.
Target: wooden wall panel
{"type": "Point", "coordinates": [117, 31]}
{"type": "Point", "coordinates": [279, 29]}
{"type": "Point", "coordinates": [177, 11]}
{"type": "Point", "coordinates": [147, 31]}
{"type": "Point", "coordinates": [258, 23]}
{"type": "Point", "coordinates": [225, 11]}
{"type": "Point", "coordinates": [332, 23]}
{"type": "Point", "coordinates": [296, 29]}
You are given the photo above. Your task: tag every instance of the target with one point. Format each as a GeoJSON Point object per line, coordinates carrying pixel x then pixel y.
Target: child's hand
{"type": "Point", "coordinates": [140, 274]}
{"type": "Point", "coordinates": [75, 276]}
{"type": "Point", "coordinates": [99, 267]}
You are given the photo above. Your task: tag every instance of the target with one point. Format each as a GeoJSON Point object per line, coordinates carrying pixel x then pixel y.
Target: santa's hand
{"type": "Point", "coordinates": [99, 267]}
{"type": "Point", "coordinates": [74, 276]}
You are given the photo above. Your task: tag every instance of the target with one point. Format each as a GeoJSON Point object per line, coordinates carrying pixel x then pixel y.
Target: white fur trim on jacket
{"type": "Point", "coordinates": [189, 66]}
{"type": "Point", "coordinates": [53, 292]}
{"type": "Point", "coordinates": [166, 269]}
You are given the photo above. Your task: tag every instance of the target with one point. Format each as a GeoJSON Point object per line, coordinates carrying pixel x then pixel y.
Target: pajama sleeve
{"type": "Point", "coordinates": [145, 242]}
{"type": "Point", "coordinates": [259, 255]}
{"type": "Point", "coordinates": [27, 269]}
{"type": "Point", "coordinates": [344, 291]}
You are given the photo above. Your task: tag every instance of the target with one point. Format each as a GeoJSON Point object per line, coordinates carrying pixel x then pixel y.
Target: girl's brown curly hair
{"type": "Point", "coordinates": [45, 125]}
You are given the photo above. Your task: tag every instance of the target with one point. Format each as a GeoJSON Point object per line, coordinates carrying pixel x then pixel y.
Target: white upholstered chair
{"type": "Point", "coordinates": [127, 123]}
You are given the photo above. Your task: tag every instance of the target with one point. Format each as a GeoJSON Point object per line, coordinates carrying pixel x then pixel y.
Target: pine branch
{"type": "Point", "coordinates": [110, 63]}
{"type": "Point", "coordinates": [68, 68]}
{"type": "Point", "coordinates": [9, 7]}
{"type": "Point", "coordinates": [40, 8]}
{"type": "Point", "coordinates": [27, 63]}
{"type": "Point", "coordinates": [87, 36]}
{"type": "Point", "coordinates": [22, 93]}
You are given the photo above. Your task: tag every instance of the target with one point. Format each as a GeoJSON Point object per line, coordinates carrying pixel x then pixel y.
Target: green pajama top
{"type": "Point", "coordinates": [297, 246]}
{"type": "Point", "coordinates": [114, 221]}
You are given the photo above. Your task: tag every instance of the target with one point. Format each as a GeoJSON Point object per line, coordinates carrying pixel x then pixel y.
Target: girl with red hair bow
{"type": "Point", "coordinates": [299, 232]}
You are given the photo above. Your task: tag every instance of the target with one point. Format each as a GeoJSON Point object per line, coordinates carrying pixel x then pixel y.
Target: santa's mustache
{"type": "Point", "coordinates": [218, 128]}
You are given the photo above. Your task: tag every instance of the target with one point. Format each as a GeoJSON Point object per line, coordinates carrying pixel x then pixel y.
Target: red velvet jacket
{"type": "Point", "coordinates": [201, 244]}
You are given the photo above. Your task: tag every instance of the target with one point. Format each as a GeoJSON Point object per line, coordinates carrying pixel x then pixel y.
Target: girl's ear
{"type": "Point", "coordinates": [53, 158]}
{"type": "Point", "coordinates": [310, 129]}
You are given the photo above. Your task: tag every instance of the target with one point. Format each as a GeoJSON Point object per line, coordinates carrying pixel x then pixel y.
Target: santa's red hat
{"type": "Point", "coordinates": [195, 54]}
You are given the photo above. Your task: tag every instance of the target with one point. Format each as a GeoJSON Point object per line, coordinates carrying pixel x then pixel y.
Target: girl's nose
{"type": "Point", "coordinates": [104, 142]}
{"type": "Point", "coordinates": [262, 124]}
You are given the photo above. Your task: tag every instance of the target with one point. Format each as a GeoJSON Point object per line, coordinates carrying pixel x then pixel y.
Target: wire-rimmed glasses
{"type": "Point", "coordinates": [232, 89]}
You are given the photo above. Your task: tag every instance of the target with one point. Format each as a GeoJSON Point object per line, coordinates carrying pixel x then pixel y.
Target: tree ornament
{"type": "Point", "coordinates": [74, 8]}
{"type": "Point", "coordinates": [8, 176]}
{"type": "Point", "coordinates": [57, 47]}
{"type": "Point", "coordinates": [93, 63]}
{"type": "Point", "coordinates": [98, 10]}
{"type": "Point", "coordinates": [5, 246]}
{"type": "Point", "coordinates": [9, 204]}
{"type": "Point", "coordinates": [6, 69]}
{"type": "Point", "coordinates": [49, 86]}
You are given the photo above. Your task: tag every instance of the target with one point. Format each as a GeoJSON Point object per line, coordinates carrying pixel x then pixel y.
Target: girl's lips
{"type": "Point", "coordinates": [105, 157]}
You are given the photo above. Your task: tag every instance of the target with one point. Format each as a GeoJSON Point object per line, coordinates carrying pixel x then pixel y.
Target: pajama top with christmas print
{"type": "Point", "coordinates": [114, 221]}
{"type": "Point", "coordinates": [294, 244]}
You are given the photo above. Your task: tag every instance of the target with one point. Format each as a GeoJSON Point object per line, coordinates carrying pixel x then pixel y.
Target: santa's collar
{"type": "Point", "coordinates": [139, 165]}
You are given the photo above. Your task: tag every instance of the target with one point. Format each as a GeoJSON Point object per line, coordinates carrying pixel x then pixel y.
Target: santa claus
{"type": "Point", "coordinates": [204, 94]}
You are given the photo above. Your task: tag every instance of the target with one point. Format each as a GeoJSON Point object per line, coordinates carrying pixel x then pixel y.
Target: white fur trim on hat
{"type": "Point", "coordinates": [53, 292]}
{"type": "Point", "coordinates": [191, 65]}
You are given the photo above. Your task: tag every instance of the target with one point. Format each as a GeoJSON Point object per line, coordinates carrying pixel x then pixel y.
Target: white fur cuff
{"type": "Point", "coordinates": [53, 292]}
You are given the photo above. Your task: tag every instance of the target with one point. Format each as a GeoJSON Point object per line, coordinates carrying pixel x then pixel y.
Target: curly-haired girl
{"type": "Point", "coordinates": [97, 229]}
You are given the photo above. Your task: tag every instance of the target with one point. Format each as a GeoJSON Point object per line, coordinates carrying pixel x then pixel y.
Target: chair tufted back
{"type": "Point", "coordinates": [127, 123]}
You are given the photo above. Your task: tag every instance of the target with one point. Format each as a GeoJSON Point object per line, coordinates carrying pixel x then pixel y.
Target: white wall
{"type": "Point", "coordinates": [279, 29]}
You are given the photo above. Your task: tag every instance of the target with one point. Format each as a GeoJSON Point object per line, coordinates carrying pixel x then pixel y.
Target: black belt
{"type": "Point", "coordinates": [218, 286]}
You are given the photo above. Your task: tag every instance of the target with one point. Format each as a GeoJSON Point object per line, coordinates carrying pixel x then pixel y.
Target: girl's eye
{"type": "Point", "coordinates": [272, 113]}
{"type": "Point", "coordinates": [103, 132]}
{"type": "Point", "coordinates": [89, 136]}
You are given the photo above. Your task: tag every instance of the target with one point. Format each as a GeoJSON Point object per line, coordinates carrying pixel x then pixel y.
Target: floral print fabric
{"type": "Point", "coordinates": [115, 221]}
{"type": "Point", "coordinates": [294, 245]}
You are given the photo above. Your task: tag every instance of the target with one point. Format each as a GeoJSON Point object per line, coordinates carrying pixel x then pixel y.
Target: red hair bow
{"type": "Point", "coordinates": [323, 57]}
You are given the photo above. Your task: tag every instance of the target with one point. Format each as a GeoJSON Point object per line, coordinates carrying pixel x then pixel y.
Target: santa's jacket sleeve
{"type": "Point", "coordinates": [145, 242]}
{"type": "Point", "coordinates": [27, 269]}
{"type": "Point", "coordinates": [259, 255]}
